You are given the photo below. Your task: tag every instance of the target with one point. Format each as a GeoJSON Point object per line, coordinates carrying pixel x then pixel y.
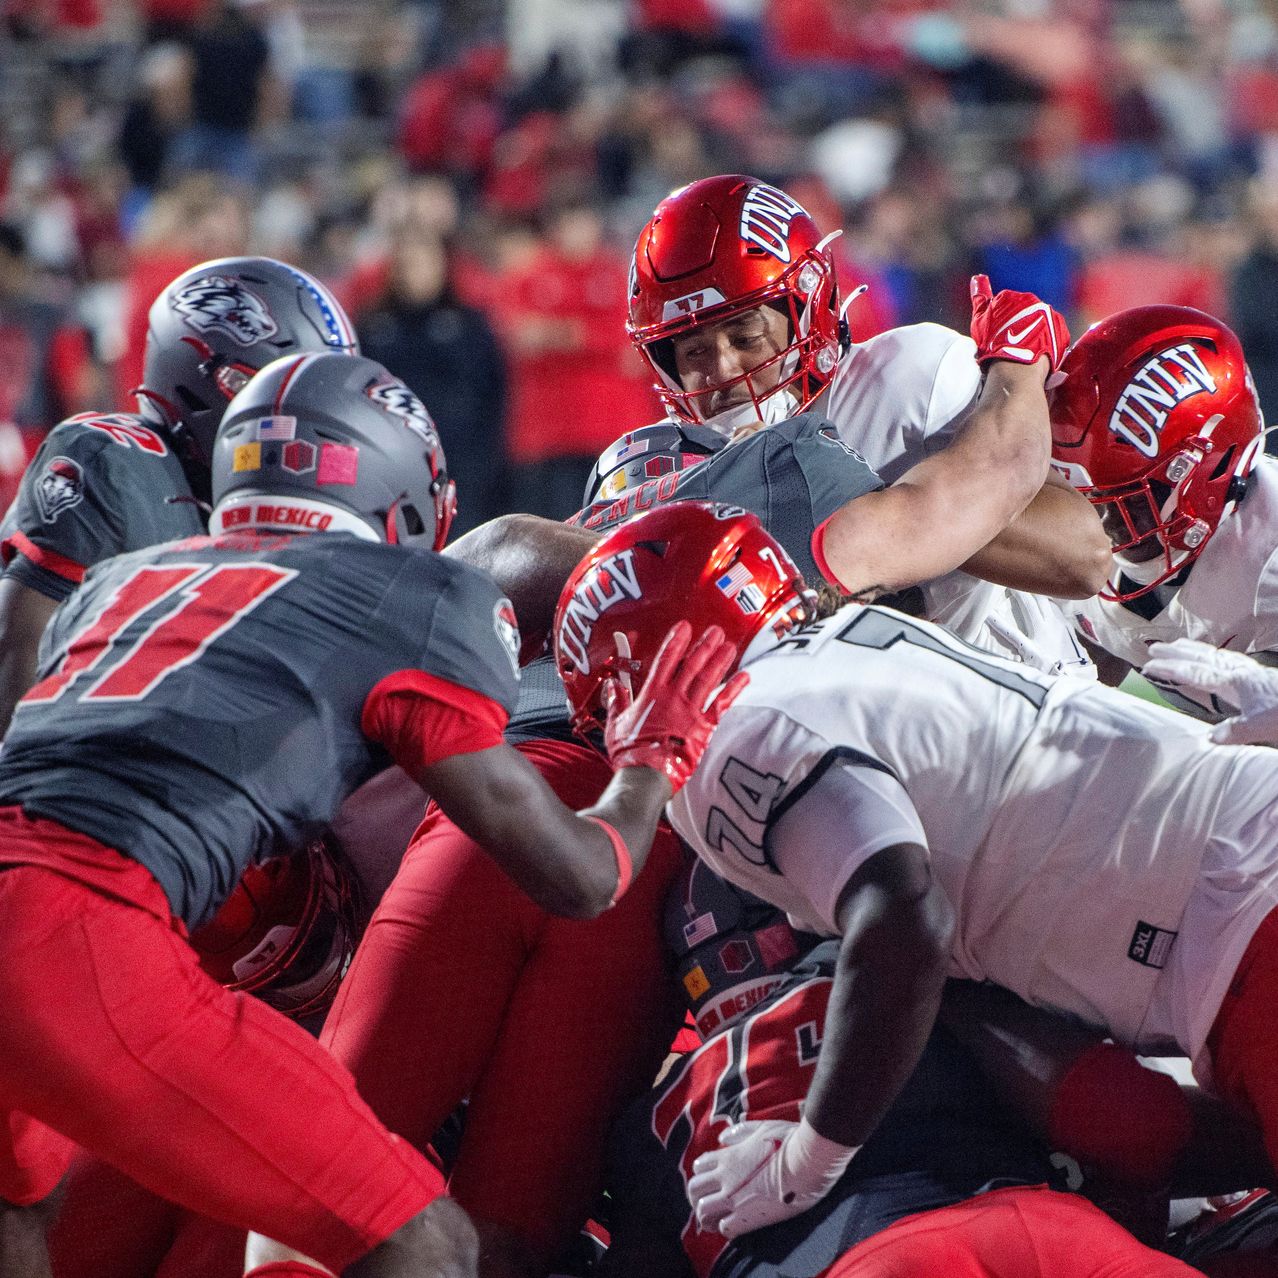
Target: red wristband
{"type": "Point", "coordinates": [818, 555]}
{"type": "Point", "coordinates": [625, 868]}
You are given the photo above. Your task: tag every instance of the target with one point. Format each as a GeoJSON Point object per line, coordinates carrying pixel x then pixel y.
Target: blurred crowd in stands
{"type": "Point", "coordinates": [469, 176]}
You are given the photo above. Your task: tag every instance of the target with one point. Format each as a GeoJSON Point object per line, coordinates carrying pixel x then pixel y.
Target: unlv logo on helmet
{"type": "Point", "coordinates": [396, 398]}
{"type": "Point", "coordinates": [611, 581]}
{"type": "Point", "coordinates": [60, 486]}
{"type": "Point", "coordinates": [223, 303]}
{"type": "Point", "coordinates": [1163, 381]}
{"type": "Point", "coordinates": [766, 215]}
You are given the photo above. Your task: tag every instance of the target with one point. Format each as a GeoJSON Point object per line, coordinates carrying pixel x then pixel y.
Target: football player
{"type": "Point", "coordinates": [734, 304]}
{"type": "Point", "coordinates": [760, 993]}
{"type": "Point", "coordinates": [102, 484]}
{"type": "Point", "coordinates": [942, 810]}
{"type": "Point", "coordinates": [211, 701]}
{"type": "Point", "coordinates": [530, 1174]}
{"type": "Point", "coordinates": [1155, 419]}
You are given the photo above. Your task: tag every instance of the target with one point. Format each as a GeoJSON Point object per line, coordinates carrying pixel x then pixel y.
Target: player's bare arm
{"type": "Point", "coordinates": [897, 926]}
{"type": "Point", "coordinates": [949, 506]}
{"type": "Point", "coordinates": [579, 863]}
{"type": "Point", "coordinates": [1056, 546]}
{"type": "Point", "coordinates": [530, 558]}
{"type": "Point", "coordinates": [944, 510]}
{"type": "Point", "coordinates": [23, 615]}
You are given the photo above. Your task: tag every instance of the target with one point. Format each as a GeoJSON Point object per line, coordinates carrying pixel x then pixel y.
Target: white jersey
{"type": "Point", "coordinates": [1066, 822]}
{"type": "Point", "coordinates": [900, 397]}
{"type": "Point", "coordinates": [1229, 599]}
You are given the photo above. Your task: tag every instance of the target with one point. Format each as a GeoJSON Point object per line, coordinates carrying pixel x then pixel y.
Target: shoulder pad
{"type": "Point", "coordinates": [649, 453]}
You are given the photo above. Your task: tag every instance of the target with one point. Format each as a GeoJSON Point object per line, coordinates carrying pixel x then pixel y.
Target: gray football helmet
{"type": "Point", "coordinates": [331, 443]}
{"type": "Point", "coordinates": [215, 326]}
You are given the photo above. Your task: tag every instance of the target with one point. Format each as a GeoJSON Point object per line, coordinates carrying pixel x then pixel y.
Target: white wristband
{"type": "Point", "coordinates": [817, 1156]}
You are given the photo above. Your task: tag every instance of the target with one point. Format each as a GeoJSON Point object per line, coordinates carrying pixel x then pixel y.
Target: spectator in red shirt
{"type": "Point", "coordinates": [574, 383]}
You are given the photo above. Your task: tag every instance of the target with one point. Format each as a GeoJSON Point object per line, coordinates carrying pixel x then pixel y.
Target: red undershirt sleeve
{"type": "Point", "coordinates": [421, 719]}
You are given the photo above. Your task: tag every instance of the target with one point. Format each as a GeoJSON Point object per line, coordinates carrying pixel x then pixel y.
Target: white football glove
{"type": "Point", "coordinates": [1239, 680]}
{"type": "Point", "coordinates": [764, 1172]}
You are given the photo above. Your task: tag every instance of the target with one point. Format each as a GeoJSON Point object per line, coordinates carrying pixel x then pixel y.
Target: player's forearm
{"type": "Point", "coordinates": [1055, 546]}
{"type": "Point", "coordinates": [944, 510]}
{"type": "Point", "coordinates": [23, 615]}
{"type": "Point", "coordinates": [633, 805]}
{"type": "Point", "coordinates": [997, 463]}
{"type": "Point", "coordinates": [884, 1002]}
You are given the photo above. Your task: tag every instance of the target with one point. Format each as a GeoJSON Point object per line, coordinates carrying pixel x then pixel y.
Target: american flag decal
{"type": "Point", "coordinates": [737, 583]}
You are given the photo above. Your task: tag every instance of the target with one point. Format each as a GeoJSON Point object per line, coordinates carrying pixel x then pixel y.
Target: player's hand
{"type": "Point", "coordinates": [764, 1172]}
{"type": "Point", "coordinates": [1015, 326]}
{"type": "Point", "coordinates": [668, 725]}
{"type": "Point", "coordinates": [1236, 679]}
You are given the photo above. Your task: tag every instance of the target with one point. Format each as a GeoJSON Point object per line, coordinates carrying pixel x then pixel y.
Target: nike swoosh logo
{"type": "Point", "coordinates": [1015, 339]}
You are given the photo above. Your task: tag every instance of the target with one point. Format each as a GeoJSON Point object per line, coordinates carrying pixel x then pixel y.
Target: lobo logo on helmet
{"type": "Point", "coordinates": [507, 627]}
{"type": "Point", "coordinates": [1167, 379]}
{"type": "Point", "coordinates": [608, 583]}
{"type": "Point", "coordinates": [222, 302]}
{"type": "Point", "coordinates": [398, 400]}
{"type": "Point", "coordinates": [766, 215]}
{"type": "Point", "coordinates": [60, 486]}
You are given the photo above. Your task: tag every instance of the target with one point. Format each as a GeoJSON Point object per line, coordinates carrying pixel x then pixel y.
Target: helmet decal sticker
{"type": "Point", "coordinates": [298, 457]}
{"type": "Point", "coordinates": [247, 457]}
{"type": "Point", "coordinates": [338, 464]}
{"type": "Point", "coordinates": [60, 486]}
{"type": "Point", "coordinates": [276, 428]}
{"type": "Point", "coordinates": [692, 303]}
{"type": "Point", "coordinates": [1163, 381]}
{"type": "Point", "coordinates": [738, 583]}
{"type": "Point", "coordinates": [397, 399]}
{"type": "Point", "coordinates": [225, 304]}
{"type": "Point", "coordinates": [766, 215]}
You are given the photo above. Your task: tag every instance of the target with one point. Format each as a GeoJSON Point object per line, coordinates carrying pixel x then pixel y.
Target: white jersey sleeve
{"type": "Point", "coordinates": [901, 395]}
{"type": "Point", "coordinates": [849, 808]}
{"type": "Point", "coordinates": [1229, 598]}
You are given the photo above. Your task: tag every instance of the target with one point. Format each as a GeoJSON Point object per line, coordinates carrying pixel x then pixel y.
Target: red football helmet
{"type": "Point", "coordinates": [1155, 419]}
{"type": "Point", "coordinates": [287, 932]}
{"type": "Point", "coordinates": [720, 247]}
{"type": "Point", "coordinates": [697, 560]}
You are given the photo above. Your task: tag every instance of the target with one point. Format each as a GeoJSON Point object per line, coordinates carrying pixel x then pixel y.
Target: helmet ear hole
{"type": "Point", "coordinates": [414, 525]}
{"type": "Point", "coordinates": [1226, 462]}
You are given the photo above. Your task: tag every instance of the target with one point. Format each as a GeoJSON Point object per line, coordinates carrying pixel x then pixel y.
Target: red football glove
{"type": "Point", "coordinates": [668, 725]}
{"type": "Point", "coordinates": [1015, 326]}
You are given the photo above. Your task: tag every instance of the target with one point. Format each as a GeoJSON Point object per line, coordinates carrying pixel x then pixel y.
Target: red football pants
{"type": "Point", "coordinates": [462, 986]}
{"type": "Point", "coordinates": [112, 1036]}
{"type": "Point", "coordinates": [1025, 1232]}
{"type": "Point", "coordinates": [1244, 1039]}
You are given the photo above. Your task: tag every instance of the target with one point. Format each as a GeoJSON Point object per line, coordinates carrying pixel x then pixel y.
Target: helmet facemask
{"type": "Point", "coordinates": [802, 368]}
{"type": "Point", "coordinates": [1154, 533]}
